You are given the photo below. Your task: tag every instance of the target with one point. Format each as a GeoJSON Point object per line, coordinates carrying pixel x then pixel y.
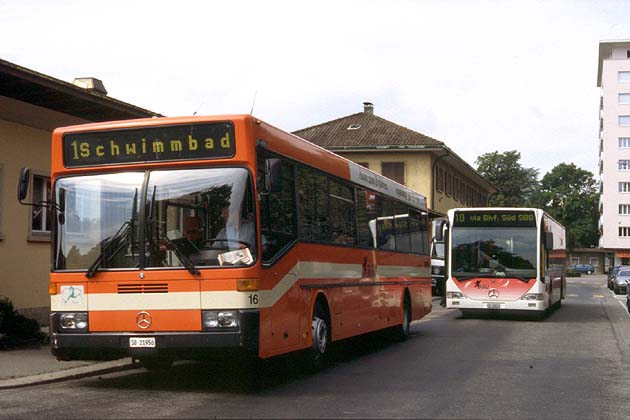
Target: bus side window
{"type": "Point", "coordinates": [365, 212]}
{"type": "Point", "coordinates": [385, 233]}
{"type": "Point", "coordinates": [277, 212]}
{"type": "Point", "coordinates": [342, 219]}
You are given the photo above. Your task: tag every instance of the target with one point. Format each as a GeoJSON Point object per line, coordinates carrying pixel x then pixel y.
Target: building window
{"type": "Point", "coordinates": [439, 173]}
{"type": "Point", "coordinates": [366, 165]}
{"type": "Point", "coordinates": [456, 188]}
{"type": "Point", "coordinates": [624, 209]}
{"type": "Point", "coordinates": [624, 142]}
{"type": "Point", "coordinates": [624, 120]}
{"type": "Point", "coordinates": [624, 187]}
{"type": "Point", "coordinates": [394, 170]}
{"type": "Point", "coordinates": [40, 223]}
{"type": "Point", "coordinates": [623, 165]}
{"type": "Point", "coordinates": [575, 260]}
{"type": "Point", "coordinates": [623, 76]}
{"type": "Point", "coordinates": [449, 184]}
{"type": "Point", "coordinates": [594, 261]}
{"type": "Point", "coordinates": [624, 98]}
{"type": "Point", "coordinates": [624, 231]}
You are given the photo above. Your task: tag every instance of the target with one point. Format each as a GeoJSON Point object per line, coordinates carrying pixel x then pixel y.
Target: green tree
{"type": "Point", "coordinates": [570, 195]}
{"type": "Point", "coordinates": [516, 185]}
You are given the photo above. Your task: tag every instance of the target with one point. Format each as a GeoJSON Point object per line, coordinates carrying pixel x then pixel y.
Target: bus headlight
{"type": "Point", "coordinates": [454, 295]}
{"type": "Point", "coordinates": [534, 296]}
{"type": "Point", "coordinates": [76, 321]}
{"type": "Point", "coordinates": [219, 319]}
{"type": "Point", "coordinates": [437, 270]}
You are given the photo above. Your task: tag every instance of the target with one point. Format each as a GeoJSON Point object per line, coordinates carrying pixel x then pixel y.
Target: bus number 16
{"type": "Point", "coordinates": [253, 299]}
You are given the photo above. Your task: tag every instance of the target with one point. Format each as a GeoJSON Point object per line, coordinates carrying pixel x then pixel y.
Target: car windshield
{"type": "Point", "coordinates": [624, 273]}
{"type": "Point", "coordinates": [169, 218]}
{"type": "Point", "coordinates": [500, 252]}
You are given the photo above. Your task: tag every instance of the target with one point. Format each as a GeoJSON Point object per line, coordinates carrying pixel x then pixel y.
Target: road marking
{"type": "Point", "coordinates": [598, 296]}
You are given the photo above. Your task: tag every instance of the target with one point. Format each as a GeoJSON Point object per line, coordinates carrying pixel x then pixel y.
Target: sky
{"type": "Point", "coordinates": [481, 76]}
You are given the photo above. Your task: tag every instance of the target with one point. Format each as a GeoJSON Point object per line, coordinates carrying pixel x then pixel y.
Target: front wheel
{"type": "Point", "coordinates": [320, 333]}
{"type": "Point", "coordinates": [401, 332]}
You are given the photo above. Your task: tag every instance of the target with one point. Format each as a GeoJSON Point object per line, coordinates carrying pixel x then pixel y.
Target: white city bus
{"type": "Point", "coordinates": [511, 259]}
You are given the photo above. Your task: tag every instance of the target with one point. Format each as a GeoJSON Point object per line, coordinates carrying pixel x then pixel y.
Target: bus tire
{"type": "Point", "coordinates": [402, 331]}
{"type": "Point", "coordinates": [321, 337]}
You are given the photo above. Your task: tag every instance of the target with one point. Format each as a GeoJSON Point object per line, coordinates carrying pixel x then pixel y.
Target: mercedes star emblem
{"type": "Point", "coordinates": [493, 293]}
{"type": "Point", "coordinates": [143, 320]}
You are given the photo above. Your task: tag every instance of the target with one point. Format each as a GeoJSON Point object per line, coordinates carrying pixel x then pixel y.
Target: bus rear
{"type": "Point", "coordinates": [499, 259]}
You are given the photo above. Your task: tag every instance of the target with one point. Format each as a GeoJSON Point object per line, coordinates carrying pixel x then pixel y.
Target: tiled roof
{"type": "Point", "coordinates": [364, 130]}
{"type": "Point", "coordinates": [35, 88]}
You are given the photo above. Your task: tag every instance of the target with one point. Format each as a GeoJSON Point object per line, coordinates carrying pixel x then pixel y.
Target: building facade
{"type": "Point", "coordinates": [32, 105]}
{"type": "Point", "coordinates": [613, 79]}
{"type": "Point", "coordinates": [415, 160]}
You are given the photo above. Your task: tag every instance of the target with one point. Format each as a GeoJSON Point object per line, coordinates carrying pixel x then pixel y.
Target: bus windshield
{"type": "Point", "coordinates": [494, 252]}
{"type": "Point", "coordinates": [163, 218]}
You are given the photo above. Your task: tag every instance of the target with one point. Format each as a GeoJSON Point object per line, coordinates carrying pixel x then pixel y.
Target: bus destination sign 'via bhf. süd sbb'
{"type": "Point", "coordinates": [494, 218]}
{"type": "Point", "coordinates": [149, 144]}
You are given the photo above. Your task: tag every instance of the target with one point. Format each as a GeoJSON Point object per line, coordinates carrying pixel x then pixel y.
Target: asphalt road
{"type": "Point", "coordinates": [574, 364]}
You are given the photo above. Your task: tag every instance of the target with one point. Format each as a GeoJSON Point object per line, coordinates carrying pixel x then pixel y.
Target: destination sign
{"type": "Point", "coordinates": [495, 218]}
{"type": "Point", "coordinates": [149, 144]}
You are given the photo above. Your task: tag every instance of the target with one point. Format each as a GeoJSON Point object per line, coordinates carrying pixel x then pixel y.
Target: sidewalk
{"type": "Point", "coordinates": [36, 365]}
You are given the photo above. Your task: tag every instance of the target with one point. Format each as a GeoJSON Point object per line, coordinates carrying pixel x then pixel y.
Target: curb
{"type": "Point", "coordinates": [74, 373]}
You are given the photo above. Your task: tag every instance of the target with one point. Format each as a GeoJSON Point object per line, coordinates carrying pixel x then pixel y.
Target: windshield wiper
{"type": "Point", "coordinates": [492, 276]}
{"type": "Point", "coordinates": [475, 276]}
{"type": "Point", "coordinates": [112, 245]}
{"type": "Point", "coordinates": [174, 246]}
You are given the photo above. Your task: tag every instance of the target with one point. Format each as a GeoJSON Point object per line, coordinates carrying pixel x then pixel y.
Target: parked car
{"type": "Point", "coordinates": [583, 268]}
{"type": "Point", "coordinates": [612, 273]}
{"type": "Point", "coordinates": [620, 281]}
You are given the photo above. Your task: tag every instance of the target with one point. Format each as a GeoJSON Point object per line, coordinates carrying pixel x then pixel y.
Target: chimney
{"type": "Point", "coordinates": [90, 83]}
{"type": "Point", "coordinates": [368, 108]}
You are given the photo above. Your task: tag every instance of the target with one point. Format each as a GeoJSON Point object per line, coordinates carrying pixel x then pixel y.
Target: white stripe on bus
{"type": "Point", "coordinates": [229, 299]}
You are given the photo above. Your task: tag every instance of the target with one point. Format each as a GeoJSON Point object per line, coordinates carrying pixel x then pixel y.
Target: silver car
{"type": "Point", "coordinates": [620, 280]}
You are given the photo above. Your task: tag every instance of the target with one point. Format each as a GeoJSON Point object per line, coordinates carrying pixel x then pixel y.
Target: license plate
{"type": "Point", "coordinates": [141, 341]}
{"type": "Point", "coordinates": [493, 305]}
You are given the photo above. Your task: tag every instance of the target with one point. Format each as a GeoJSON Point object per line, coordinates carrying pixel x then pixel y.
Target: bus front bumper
{"type": "Point", "coordinates": [108, 345]}
{"type": "Point", "coordinates": [518, 305]}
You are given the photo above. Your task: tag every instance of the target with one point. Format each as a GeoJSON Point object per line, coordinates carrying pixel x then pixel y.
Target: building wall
{"type": "Point", "coordinates": [25, 263]}
{"type": "Point", "coordinates": [611, 153]}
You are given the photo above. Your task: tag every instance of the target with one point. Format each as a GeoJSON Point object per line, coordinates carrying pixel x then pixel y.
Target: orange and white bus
{"type": "Point", "coordinates": [508, 259]}
{"type": "Point", "coordinates": [176, 237]}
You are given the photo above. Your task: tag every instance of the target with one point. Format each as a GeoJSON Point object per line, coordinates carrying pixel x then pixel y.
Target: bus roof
{"type": "Point", "coordinates": [265, 135]}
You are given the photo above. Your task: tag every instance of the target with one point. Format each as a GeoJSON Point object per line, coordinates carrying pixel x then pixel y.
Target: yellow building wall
{"type": "Point", "coordinates": [24, 264]}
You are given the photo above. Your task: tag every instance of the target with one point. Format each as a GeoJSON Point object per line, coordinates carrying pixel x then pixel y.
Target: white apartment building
{"type": "Point", "coordinates": [613, 78]}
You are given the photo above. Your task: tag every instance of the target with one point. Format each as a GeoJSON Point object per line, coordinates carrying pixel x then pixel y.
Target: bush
{"type": "Point", "coordinates": [17, 330]}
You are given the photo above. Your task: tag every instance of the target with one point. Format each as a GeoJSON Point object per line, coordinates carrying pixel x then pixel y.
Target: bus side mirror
{"type": "Point", "coordinates": [273, 179]}
{"type": "Point", "coordinates": [548, 240]}
{"type": "Point", "coordinates": [438, 230]}
{"type": "Point", "coordinates": [23, 181]}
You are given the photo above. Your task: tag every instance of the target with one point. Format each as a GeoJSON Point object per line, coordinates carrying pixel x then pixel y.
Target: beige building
{"type": "Point", "coordinates": [31, 106]}
{"type": "Point", "coordinates": [420, 162]}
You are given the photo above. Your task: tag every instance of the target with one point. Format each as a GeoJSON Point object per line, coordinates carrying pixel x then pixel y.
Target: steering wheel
{"type": "Point", "coordinates": [227, 242]}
